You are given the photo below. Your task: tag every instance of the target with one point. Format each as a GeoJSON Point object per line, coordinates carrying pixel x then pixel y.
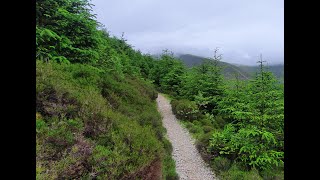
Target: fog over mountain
{"type": "Point", "coordinates": [241, 29]}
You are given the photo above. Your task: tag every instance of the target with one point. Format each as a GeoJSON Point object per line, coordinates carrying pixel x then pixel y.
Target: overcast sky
{"type": "Point", "coordinates": [242, 29]}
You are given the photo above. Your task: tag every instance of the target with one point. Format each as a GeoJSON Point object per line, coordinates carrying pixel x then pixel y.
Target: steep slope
{"type": "Point", "coordinates": [93, 124]}
{"type": "Point", "coordinates": [96, 116]}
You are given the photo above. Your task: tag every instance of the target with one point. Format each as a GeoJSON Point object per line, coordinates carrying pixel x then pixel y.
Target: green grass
{"type": "Point", "coordinates": [169, 168]}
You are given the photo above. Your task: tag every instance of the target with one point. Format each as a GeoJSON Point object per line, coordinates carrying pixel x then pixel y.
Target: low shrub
{"type": "Point", "coordinates": [218, 122]}
{"type": "Point", "coordinates": [185, 109]}
{"type": "Point", "coordinates": [195, 129]}
{"type": "Point", "coordinates": [197, 123]}
{"type": "Point", "coordinates": [207, 129]}
{"type": "Point", "coordinates": [220, 164]}
{"type": "Point", "coordinates": [203, 140]}
{"type": "Point", "coordinates": [167, 146]}
{"type": "Point", "coordinates": [169, 169]}
{"type": "Point", "coordinates": [202, 144]}
{"type": "Point", "coordinates": [253, 174]}
{"type": "Point", "coordinates": [234, 173]}
{"type": "Point", "coordinates": [188, 125]}
{"type": "Point", "coordinates": [94, 125]}
{"type": "Point", "coordinates": [206, 121]}
{"type": "Point", "coordinates": [272, 174]}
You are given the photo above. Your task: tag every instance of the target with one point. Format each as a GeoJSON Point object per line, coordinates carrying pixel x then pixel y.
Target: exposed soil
{"type": "Point", "coordinates": [151, 172]}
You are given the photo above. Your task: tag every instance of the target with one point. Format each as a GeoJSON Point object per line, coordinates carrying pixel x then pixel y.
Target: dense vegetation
{"type": "Point", "coordinates": [238, 123]}
{"type": "Point", "coordinates": [87, 125]}
{"type": "Point", "coordinates": [96, 113]}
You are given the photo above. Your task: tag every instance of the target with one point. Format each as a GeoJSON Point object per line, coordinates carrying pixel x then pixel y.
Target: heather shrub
{"type": "Point", "coordinates": [185, 109]}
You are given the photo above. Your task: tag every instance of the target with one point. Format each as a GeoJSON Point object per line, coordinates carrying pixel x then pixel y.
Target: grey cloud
{"type": "Point", "coordinates": [242, 29]}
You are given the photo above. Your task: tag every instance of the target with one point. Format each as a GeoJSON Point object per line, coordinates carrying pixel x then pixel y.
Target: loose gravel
{"type": "Point", "coordinates": [189, 164]}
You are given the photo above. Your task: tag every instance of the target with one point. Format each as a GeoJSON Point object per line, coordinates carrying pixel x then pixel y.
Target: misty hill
{"type": "Point", "coordinates": [228, 70]}
{"type": "Point", "coordinates": [277, 70]}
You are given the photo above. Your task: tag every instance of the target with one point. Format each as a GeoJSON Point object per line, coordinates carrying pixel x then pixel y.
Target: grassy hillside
{"type": "Point", "coordinates": [277, 70]}
{"type": "Point", "coordinates": [228, 71]}
{"type": "Point", "coordinates": [96, 116]}
{"type": "Point", "coordinates": [93, 124]}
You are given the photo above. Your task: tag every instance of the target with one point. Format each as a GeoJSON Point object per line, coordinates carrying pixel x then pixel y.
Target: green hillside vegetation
{"type": "Point", "coordinates": [92, 125]}
{"type": "Point", "coordinates": [238, 124]}
{"type": "Point", "coordinates": [96, 113]}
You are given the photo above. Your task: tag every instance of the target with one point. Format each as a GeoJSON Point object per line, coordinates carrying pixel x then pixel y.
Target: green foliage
{"type": "Point", "coordinates": [255, 132]}
{"type": "Point", "coordinates": [242, 122]}
{"type": "Point", "coordinates": [97, 119]}
{"type": "Point", "coordinates": [167, 73]}
{"type": "Point", "coordinates": [201, 130]}
{"type": "Point", "coordinates": [207, 129]}
{"type": "Point", "coordinates": [216, 122]}
{"type": "Point", "coordinates": [273, 174]}
{"type": "Point", "coordinates": [167, 146]}
{"type": "Point", "coordinates": [202, 143]}
{"type": "Point", "coordinates": [185, 109]}
{"type": "Point", "coordinates": [131, 147]}
{"type": "Point", "coordinates": [95, 95]}
{"type": "Point", "coordinates": [234, 173]}
{"type": "Point", "coordinates": [221, 164]}
{"type": "Point", "coordinates": [110, 124]}
{"type": "Point", "coordinates": [203, 140]}
{"type": "Point", "coordinates": [204, 84]}
{"type": "Point", "coordinates": [251, 145]}
{"type": "Point", "coordinates": [171, 81]}
{"type": "Point", "coordinates": [195, 130]}
{"type": "Point", "coordinates": [169, 169]}
{"type": "Point", "coordinates": [66, 31]}
{"type": "Point", "coordinates": [60, 134]}
{"type": "Point", "coordinates": [41, 126]}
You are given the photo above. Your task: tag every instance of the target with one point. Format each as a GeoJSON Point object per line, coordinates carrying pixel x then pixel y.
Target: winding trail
{"type": "Point", "coordinates": [189, 164]}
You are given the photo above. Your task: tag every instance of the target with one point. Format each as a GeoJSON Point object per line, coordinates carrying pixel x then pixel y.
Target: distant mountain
{"type": "Point", "coordinates": [246, 72]}
{"type": "Point", "coordinates": [277, 70]}
{"type": "Point", "coordinates": [228, 70]}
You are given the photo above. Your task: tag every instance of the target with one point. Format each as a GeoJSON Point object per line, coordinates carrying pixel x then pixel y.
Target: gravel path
{"type": "Point", "coordinates": [189, 164]}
